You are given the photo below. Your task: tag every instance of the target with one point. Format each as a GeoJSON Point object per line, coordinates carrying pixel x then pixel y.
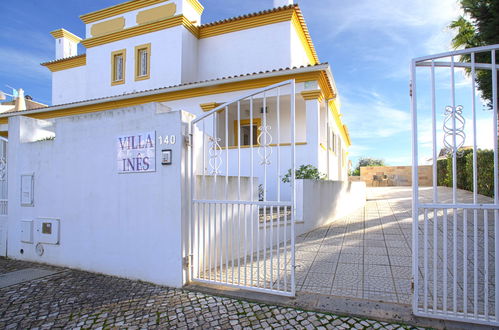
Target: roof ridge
{"type": "Point", "coordinates": [258, 13]}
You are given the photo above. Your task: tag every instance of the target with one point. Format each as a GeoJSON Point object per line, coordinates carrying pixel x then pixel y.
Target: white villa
{"type": "Point", "coordinates": [149, 68]}
{"type": "Point", "coordinates": [159, 51]}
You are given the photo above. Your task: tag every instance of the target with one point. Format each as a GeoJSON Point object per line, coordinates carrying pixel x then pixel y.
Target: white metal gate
{"type": "Point", "coordinates": [454, 232]}
{"type": "Point", "coordinates": [3, 196]}
{"type": "Point", "coordinates": [242, 211]}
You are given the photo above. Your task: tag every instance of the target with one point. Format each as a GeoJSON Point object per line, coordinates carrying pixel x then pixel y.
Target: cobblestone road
{"type": "Point", "coordinates": [76, 299]}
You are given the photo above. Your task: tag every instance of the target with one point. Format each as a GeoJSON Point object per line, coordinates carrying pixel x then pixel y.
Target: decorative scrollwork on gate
{"type": "Point", "coordinates": [3, 169]}
{"type": "Point", "coordinates": [215, 159]}
{"type": "Point", "coordinates": [457, 132]}
{"type": "Point", "coordinates": [264, 140]}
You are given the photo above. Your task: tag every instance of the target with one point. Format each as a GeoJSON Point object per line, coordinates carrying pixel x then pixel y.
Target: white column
{"type": "Point", "coordinates": [312, 107]}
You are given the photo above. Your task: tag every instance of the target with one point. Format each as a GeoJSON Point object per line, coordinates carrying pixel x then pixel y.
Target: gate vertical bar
{"type": "Point", "coordinates": [415, 197]}
{"type": "Point", "coordinates": [496, 185]}
{"type": "Point", "coordinates": [190, 271]}
{"type": "Point", "coordinates": [293, 189]}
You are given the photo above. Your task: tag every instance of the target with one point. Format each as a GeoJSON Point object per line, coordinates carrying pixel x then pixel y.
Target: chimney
{"type": "Point", "coordinates": [20, 101]}
{"type": "Point", "coordinates": [66, 43]}
{"type": "Point", "coordinates": [282, 3]}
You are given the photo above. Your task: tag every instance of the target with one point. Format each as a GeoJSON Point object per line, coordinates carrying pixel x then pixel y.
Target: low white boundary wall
{"type": "Point", "coordinates": [320, 202]}
{"type": "Point", "coordinates": [130, 225]}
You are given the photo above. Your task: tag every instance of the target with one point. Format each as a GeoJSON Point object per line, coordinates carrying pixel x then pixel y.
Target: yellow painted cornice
{"type": "Point", "coordinates": [66, 63]}
{"type": "Point", "coordinates": [246, 22]}
{"type": "Point", "coordinates": [337, 117]}
{"type": "Point", "coordinates": [291, 13]}
{"type": "Point", "coordinates": [135, 31]}
{"type": "Point", "coordinates": [315, 94]}
{"type": "Point", "coordinates": [198, 7]}
{"type": "Point", "coordinates": [302, 31]}
{"type": "Point", "coordinates": [62, 33]}
{"type": "Point", "coordinates": [118, 10]}
{"type": "Point", "coordinates": [172, 96]}
{"type": "Point", "coordinates": [209, 106]}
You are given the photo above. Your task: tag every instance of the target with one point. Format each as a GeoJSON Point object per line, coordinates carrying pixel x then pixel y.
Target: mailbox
{"type": "Point", "coordinates": [47, 231]}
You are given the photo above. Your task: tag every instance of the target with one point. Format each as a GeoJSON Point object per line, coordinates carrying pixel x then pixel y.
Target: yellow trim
{"type": "Point", "coordinates": [256, 121]}
{"type": "Point", "coordinates": [270, 145]}
{"type": "Point", "coordinates": [109, 26]}
{"type": "Point", "coordinates": [337, 117]}
{"type": "Point", "coordinates": [244, 23]}
{"type": "Point", "coordinates": [292, 14]}
{"type": "Point", "coordinates": [121, 52]}
{"type": "Point", "coordinates": [156, 13]}
{"type": "Point", "coordinates": [301, 29]}
{"type": "Point", "coordinates": [137, 62]}
{"type": "Point", "coordinates": [198, 7]}
{"type": "Point", "coordinates": [174, 95]}
{"type": "Point", "coordinates": [68, 63]}
{"type": "Point", "coordinates": [209, 106]}
{"type": "Point", "coordinates": [62, 33]}
{"type": "Point", "coordinates": [190, 26]}
{"type": "Point", "coordinates": [118, 10]}
{"type": "Point", "coordinates": [134, 31]}
{"type": "Point", "coordinates": [313, 95]}
{"type": "Point", "coordinates": [322, 146]}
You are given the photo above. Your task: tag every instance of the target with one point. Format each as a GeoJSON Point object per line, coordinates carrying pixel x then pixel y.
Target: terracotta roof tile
{"type": "Point", "coordinates": [221, 79]}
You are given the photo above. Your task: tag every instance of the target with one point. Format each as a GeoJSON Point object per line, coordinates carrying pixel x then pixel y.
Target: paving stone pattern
{"type": "Point", "coordinates": [364, 255]}
{"type": "Point", "coordinates": [76, 299]}
{"type": "Point", "coordinates": [368, 254]}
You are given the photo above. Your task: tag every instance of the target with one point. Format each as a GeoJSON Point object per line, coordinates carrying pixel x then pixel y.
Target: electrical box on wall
{"type": "Point", "coordinates": [27, 231]}
{"type": "Point", "coordinates": [47, 231]}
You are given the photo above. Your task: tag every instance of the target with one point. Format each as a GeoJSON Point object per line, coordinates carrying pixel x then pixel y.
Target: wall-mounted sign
{"type": "Point", "coordinates": [136, 153]}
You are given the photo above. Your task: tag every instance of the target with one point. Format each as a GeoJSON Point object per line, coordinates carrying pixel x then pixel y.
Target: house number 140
{"type": "Point", "coordinates": [169, 139]}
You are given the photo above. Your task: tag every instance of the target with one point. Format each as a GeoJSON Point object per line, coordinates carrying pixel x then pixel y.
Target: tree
{"type": "Point", "coordinates": [365, 161]}
{"type": "Point", "coordinates": [480, 29]}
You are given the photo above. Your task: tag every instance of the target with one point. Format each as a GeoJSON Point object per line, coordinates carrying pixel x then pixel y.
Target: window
{"type": "Point", "coordinates": [142, 62]}
{"type": "Point", "coordinates": [249, 131]}
{"type": "Point", "coordinates": [118, 59]}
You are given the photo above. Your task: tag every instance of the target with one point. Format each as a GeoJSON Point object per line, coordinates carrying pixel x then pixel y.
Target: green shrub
{"type": "Point", "coordinates": [305, 172]}
{"type": "Point", "coordinates": [442, 173]}
{"type": "Point", "coordinates": [485, 171]}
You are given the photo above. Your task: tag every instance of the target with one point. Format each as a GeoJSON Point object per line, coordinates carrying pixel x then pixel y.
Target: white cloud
{"type": "Point", "coordinates": [23, 64]}
{"type": "Point", "coordinates": [370, 116]}
{"type": "Point", "coordinates": [386, 32]}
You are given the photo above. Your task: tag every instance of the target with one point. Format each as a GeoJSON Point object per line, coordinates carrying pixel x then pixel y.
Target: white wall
{"type": "Point", "coordinates": [166, 56]}
{"type": "Point", "coordinates": [298, 54]}
{"type": "Point", "coordinates": [129, 225]}
{"type": "Point", "coordinates": [320, 202]}
{"type": "Point", "coordinates": [69, 85]}
{"type": "Point", "coordinates": [247, 51]}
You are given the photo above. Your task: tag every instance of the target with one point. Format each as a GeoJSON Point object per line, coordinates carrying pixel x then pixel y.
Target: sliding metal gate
{"type": "Point", "coordinates": [456, 233]}
{"type": "Point", "coordinates": [243, 203]}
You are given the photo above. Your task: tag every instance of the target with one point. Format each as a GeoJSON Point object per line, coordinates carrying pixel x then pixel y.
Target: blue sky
{"type": "Point", "coordinates": [369, 45]}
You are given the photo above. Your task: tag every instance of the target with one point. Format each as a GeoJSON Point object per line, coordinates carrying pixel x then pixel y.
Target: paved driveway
{"type": "Point", "coordinates": [368, 253]}
{"type": "Point", "coordinates": [364, 255]}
